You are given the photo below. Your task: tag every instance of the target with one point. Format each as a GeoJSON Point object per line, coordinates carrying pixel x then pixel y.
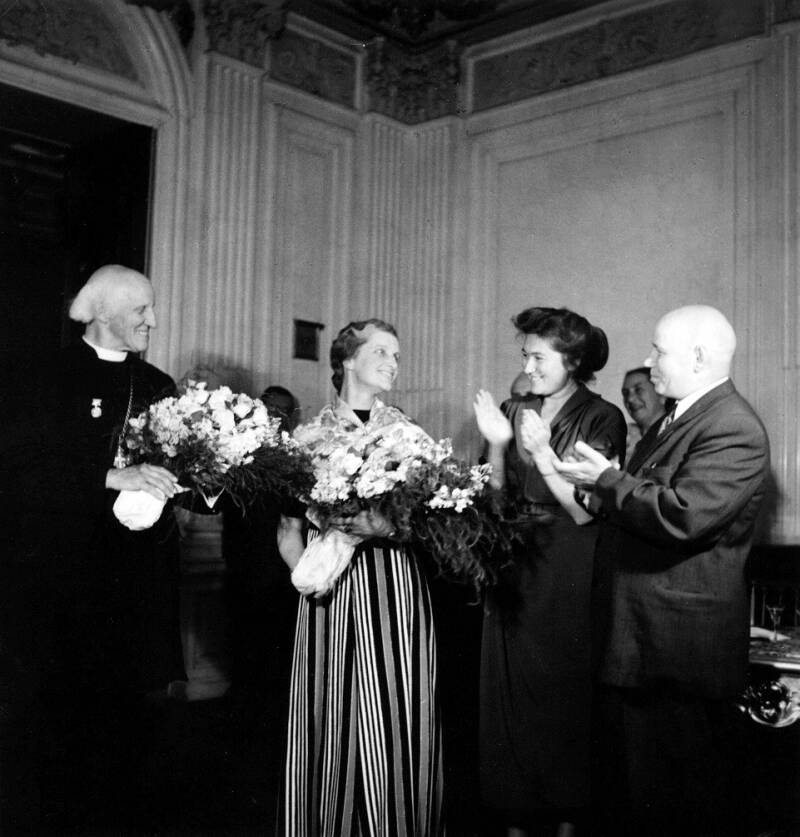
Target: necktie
{"type": "Point", "coordinates": [667, 421]}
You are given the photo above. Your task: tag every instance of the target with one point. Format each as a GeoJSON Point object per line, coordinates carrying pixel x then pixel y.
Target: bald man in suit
{"type": "Point", "coordinates": [671, 589]}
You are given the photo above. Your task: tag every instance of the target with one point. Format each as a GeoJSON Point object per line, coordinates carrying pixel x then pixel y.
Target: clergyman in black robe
{"type": "Point", "coordinates": [90, 609]}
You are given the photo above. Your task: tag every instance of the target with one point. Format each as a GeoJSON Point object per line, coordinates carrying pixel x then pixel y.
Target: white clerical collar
{"type": "Point", "coordinates": [114, 355]}
{"type": "Point", "coordinates": [683, 405]}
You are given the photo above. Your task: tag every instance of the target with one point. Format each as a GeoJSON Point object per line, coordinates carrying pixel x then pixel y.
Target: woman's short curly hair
{"type": "Point", "coordinates": [347, 343]}
{"type": "Point", "coordinates": [584, 346]}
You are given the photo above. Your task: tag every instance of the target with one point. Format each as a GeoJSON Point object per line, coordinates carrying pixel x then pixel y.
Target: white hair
{"type": "Point", "coordinates": [100, 289]}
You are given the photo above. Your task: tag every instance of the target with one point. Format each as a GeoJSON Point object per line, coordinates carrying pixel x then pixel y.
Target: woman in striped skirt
{"type": "Point", "coordinates": [364, 745]}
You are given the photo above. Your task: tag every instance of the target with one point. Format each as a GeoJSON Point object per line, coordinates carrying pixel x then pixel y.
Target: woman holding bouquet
{"type": "Point", "coordinates": [535, 666]}
{"type": "Point", "coordinates": [364, 750]}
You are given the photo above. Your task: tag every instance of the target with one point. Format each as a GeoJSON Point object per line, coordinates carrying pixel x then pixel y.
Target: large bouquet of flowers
{"type": "Point", "coordinates": [213, 441]}
{"type": "Point", "coordinates": [431, 499]}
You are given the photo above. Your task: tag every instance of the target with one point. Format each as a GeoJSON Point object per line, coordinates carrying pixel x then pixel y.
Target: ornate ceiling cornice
{"type": "Point", "coordinates": [411, 83]}
{"type": "Point", "coordinates": [413, 18]}
{"type": "Point", "coordinates": [624, 43]}
{"type": "Point", "coordinates": [71, 29]}
{"type": "Point", "coordinates": [315, 67]}
{"type": "Point", "coordinates": [413, 88]}
{"type": "Point", "coordinates": [242, 28]}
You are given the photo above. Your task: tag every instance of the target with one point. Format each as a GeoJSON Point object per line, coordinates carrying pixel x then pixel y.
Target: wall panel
{"type": "Point", "coordinates": [311, 262]}
{"type": "Point", "coordinates": [406, 217]}
{"type": "Point", "coordinates": [633, 196]}
{"type": "Point", "coordinates": [228, 174]}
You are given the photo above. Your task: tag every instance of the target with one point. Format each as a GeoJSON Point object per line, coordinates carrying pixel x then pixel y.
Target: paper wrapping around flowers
{"type": "Point", "coordinates": [137, 509]}
{"type": "Point", "coordinates": [323, 561]}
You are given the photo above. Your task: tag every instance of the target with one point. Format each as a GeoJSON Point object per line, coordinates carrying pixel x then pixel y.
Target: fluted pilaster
{"type": "Point", "coordinates": [408, 269]}
{"type": "Point", "coordinates": [230, 184]}
{"type": "Point", "coordinates": [783, 314]}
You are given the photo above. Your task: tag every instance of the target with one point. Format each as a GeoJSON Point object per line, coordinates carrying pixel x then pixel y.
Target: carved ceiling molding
{"type": "Point", "coordinates": [413, 88]}
{"type": "Point", "coordinates": [242, 28]}
{"type": "Point", "coordinates": [314, 67]}
{"type": "Point", "coordinates": [613, 46]}
{"type": "Point", "coordinates": [414, 85]}
{"type": "Point", "coordinates": [413, 18]}
{"type": "Point", "coordinates": [70, 29]}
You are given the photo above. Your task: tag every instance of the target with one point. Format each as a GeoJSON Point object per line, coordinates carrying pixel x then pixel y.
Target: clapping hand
{"type": "Point", "coordinates": [535, 434]}
{"type": "Point", "coordinates": [494, 426]}
{"type": "Point", "coordinates": [585, 467]}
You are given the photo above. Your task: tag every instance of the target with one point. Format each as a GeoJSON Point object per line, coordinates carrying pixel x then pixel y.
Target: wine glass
{"type": "Point", "coordinates": [775, 612]}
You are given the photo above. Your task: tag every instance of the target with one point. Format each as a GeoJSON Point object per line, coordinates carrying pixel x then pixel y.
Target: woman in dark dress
{"type": "Point", "coordinates": [535, 662]}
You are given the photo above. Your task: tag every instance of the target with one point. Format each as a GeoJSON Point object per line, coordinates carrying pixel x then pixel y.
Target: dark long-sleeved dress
{"type": "Point", "coordinates": [535, 661]}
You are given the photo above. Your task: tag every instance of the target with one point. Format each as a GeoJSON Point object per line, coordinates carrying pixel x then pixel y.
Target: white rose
{"type": "Point", "coordinates": [219, 398]}
{"type": "Point", "coordinates": [224, 420]}
{"type": "Point", "coordinates": [243, 406]}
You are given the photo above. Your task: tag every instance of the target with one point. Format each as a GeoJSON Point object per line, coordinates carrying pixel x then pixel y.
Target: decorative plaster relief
{"type": "Point", "coordinates": [413, 88]}
{"type": "Point", "coordinates": [314, 67]}
{"type": "Point", "coordinates": [241, 28]}
{"type": "Point", "coordinates": [613, 46]}
{"type": "Point", "coordinates": [71, 29]}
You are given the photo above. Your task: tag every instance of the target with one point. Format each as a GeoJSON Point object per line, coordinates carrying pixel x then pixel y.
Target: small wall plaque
{"type": "Point", "coordinates": [306, 339]}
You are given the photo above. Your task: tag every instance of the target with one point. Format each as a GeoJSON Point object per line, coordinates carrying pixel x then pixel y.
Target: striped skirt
{"type": "Point", "coordinates": [364, 752]}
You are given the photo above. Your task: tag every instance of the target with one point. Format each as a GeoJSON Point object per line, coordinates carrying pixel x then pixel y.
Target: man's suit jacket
{"type": "Point", "coordinates": [671, 584]}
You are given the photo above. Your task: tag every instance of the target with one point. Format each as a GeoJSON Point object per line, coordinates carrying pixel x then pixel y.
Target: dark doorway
{"type": "Point", "coordinates": [74, 194]}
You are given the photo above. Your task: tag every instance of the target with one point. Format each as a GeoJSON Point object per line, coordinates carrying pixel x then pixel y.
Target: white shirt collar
{"type": "Point", "coordinates": [114, 355]}
{"type": "Point", "coordinates": [683, 405]}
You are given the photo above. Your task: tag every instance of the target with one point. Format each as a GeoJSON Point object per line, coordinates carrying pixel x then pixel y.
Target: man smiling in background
{"type": "Point", "coordinates": [644, 405]}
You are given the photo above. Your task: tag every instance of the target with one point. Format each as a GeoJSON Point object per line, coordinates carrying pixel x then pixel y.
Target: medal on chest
{"type": "Point", "coordinates": [97, 408]}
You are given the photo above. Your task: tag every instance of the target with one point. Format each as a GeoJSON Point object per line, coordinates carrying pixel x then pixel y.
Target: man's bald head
{"type": "Point", "coordinates": [693, 346]}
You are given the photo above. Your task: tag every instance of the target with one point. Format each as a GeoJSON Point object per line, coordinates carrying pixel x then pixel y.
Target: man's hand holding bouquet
{"type": "Point", "coordinates": [212, 441]}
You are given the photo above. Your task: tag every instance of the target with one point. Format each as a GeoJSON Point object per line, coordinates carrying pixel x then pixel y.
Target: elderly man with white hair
{"type": "Point", "coordinates": [91, 607]}
{"type": "Point", "coordinates": [672, 597]}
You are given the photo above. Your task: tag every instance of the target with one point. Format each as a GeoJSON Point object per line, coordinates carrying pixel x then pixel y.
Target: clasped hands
{"type": "Point", "coordinates": [364, 525]}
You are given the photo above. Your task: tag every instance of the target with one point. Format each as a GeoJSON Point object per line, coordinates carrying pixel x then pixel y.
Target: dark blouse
{"type": "Point", "coordinates": [584, 417]}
